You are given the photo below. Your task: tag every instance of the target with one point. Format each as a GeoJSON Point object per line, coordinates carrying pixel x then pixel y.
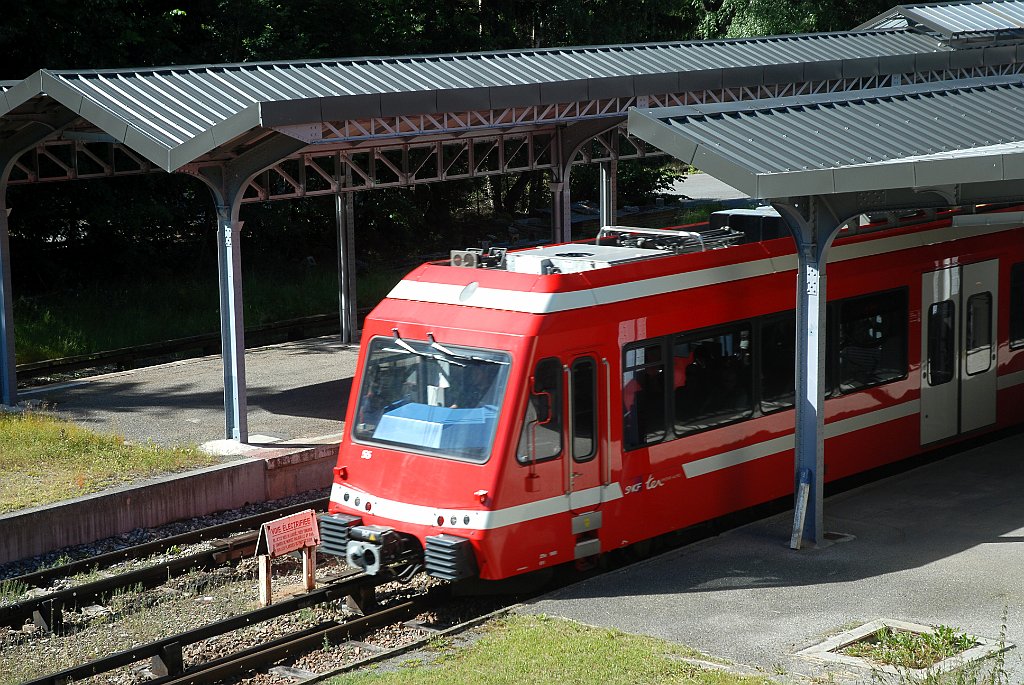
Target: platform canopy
{"type": "Point", "coordinates": [175, 115]}
{"type": "Point", "coordinates": [917, 136]}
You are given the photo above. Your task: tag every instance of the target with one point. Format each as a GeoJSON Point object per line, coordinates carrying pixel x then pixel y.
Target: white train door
{"type": "Point", "coordinates": [958, 350]}
{"type": "Point", "coordinates": [585, 449]}
{"type": "Point", "coordinates": [586, 454]}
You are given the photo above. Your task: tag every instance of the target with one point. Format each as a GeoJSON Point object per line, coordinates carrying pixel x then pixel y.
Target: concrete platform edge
{"type": "Point", "coordinates": [272, 474]}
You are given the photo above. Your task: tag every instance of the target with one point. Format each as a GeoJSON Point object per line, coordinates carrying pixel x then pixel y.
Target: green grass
{"type": "Point", "coordinates": [911, 650]}
{"type": "Point", "coordinates": [11, 591]}
{"type": "Point", "coordinates": [44, 460]}
{"type": "Point", "coordinates": [538, 649]}
{"type": "Point", "coordinates": [111, 316]}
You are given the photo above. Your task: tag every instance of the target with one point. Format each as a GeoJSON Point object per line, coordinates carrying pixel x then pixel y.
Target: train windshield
{"type": "Point", "coordinates": [431, 398]}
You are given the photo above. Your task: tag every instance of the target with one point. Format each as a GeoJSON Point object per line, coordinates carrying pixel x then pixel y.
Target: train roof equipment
{"type": "Point", "coordinates": [617, 245]}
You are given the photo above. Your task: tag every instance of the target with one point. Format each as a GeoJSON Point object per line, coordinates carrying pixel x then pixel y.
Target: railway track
{"type": "Point", "coordinates": [169, 664]}
{"type": "Point", "coordinates": [166, 656]}
{"type": "Point", "coordinates": [230, 542]}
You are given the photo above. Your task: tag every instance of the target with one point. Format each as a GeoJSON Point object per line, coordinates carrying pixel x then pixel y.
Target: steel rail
{"type": "Point", "coordinates": [47, 610]}
{"type": "Point", "coordinates": [297, 643]}
{"type": "Point", "coordinates": [168, 650]}
{"type": "Point", "coordinates": [44, 577]}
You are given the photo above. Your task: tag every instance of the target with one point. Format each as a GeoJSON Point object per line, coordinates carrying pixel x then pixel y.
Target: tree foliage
{"type": "Point", "coordinates": [742, 18]}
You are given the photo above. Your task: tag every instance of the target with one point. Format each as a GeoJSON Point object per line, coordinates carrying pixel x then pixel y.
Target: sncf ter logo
{"type": "Point", "coordinates": [650, 484]}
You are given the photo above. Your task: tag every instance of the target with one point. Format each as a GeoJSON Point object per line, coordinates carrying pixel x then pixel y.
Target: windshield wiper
{"type": "Point", "coordinates": [455, 355]}
{"type": "Point", "coordinates": [412, 350]}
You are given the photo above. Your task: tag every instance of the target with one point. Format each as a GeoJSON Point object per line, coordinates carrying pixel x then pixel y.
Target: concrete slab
{"type": "Point", "coordinates": [258, 474]}
{"type": "Point", "coordinates": [942, 544]}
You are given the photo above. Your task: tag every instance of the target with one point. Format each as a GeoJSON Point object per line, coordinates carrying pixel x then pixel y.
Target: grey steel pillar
{"type": "Point", "coordinates": [11, 148]}
{"type": "Point", "coordinates": [561, 211]}
{"type": "Point", "coordinates": [569, 141]}
{"type": "Point", "coordinates": [813, 229]}
{"type": "Point", "coordinates": [8, 374]}
{"type": "Point", "coordinates": [228, 182]}
{"type": "Point", "coordinates": [344, 213]}
{"type": "Point", "coordinates": [608, 190]}
{"type": "Point", "coordinates": [232, 324]}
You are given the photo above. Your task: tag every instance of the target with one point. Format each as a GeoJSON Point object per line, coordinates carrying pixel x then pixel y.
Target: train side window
{"type": "Point", "coordinates": [941, 343]}
{"type": "Point", "coordinates": [584, 409]}
{"type": "Point", "coordinates": [777, 348]}
{"type": "Point", "coordinates": [541, 437]}
{"type": "Point", "coordinates": [1017, 306]}
{"type": "Point", "coordinates": [979, 333]}
{"type": "Point", "coordinates": [872, 340]}
{"type": "Point", "coordinates": [712, 379]}
{"type": "Point", "coordinates": [643, 394]}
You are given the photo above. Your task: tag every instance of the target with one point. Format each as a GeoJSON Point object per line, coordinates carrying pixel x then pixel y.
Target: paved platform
{"type": "Point", "coordinates": [296, 391]}
{"type": "Point", "coordinates": [942, 544]}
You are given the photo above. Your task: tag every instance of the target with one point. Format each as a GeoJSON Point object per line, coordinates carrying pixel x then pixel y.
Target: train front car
{"type": "Point", "coordinates": [433, 410]}
{"type": "Point", "coordinates": [483, 438]}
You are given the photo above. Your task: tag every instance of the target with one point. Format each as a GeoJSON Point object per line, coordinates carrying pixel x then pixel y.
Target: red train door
{"type": "Point", "coordinates": [958, 350]}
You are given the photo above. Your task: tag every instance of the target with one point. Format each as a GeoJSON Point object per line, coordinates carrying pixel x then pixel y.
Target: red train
{"type": "Point", "coordinates": [516, 411]}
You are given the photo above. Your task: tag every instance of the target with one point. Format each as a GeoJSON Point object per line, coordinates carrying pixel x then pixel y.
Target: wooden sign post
{"type": "Point", "coordinates": [283, 536]}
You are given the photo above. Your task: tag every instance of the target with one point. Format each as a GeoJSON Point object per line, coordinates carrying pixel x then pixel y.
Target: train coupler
{"type": "Point", "coordinates": [376, 548]}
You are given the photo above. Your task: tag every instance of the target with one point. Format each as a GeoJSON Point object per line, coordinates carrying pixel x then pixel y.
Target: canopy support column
{"type": "Point", "coordinates": [344, 213]}
{"type": "Point", "coordinates": [608, 192]}
{"type": "Point", "coordinates": [11, 149]}
{"type": "Point", "coordinates": [232, 324]}
{"type": "Point", "coordinates": [228, 182]}
{"type": "Point", "coordinates": [570, 142]}
{"type": "Point", "coordinates": [561, 212]}
{"type": "Point", "coordinates": [8, 374]}
{"type": "Point", "coordinates": [561, 209]}
{"type": "Point", "coordinates": [813, 228]}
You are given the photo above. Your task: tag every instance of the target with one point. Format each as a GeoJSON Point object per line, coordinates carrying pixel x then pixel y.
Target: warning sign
{"type": "Point", "coordinates": [289, 534]}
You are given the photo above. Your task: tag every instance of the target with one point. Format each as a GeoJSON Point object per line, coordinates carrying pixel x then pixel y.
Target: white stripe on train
{"type": "Point", "coordinates": [490, 520]}
{"type": "Point", "coordinates": [546, 303]}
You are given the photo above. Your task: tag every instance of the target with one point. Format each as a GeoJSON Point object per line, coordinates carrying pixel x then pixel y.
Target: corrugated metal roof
{"type": "Point", "coordinates": [955, 18]}
{"type": "Point", "coordinates": [173, 115]}
{"type": "Point", "coordinates": [845, 142]}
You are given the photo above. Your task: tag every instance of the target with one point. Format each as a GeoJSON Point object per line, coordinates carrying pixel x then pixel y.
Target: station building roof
{"type": "Point", "coordinates": [174, 115]}
{"type": "Point", "coordinates": [901, 137]}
